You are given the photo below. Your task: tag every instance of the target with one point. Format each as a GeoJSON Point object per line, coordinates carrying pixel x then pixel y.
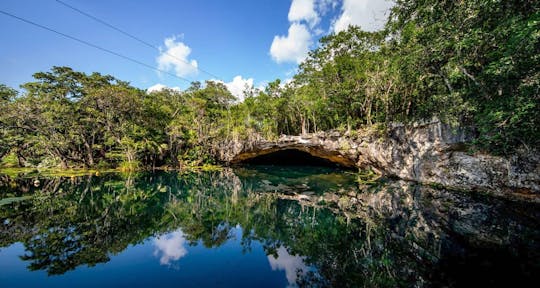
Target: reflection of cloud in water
{"type": "Point", "coordinates": [170, 246]}
{"type": "Point", "coordinates": [291, 264]}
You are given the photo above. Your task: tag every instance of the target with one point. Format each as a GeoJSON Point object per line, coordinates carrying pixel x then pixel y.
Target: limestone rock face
{"type": "Point", "coordinates": [434, 153]}
{"type": "Point", "coordinates": [431, 153]}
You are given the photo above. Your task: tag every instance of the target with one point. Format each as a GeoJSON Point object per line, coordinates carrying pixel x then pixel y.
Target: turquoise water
{"type": "Point", "coordinates": [259, 226]}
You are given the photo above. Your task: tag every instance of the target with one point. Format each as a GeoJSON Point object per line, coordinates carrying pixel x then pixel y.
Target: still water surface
{"type": "Point", "coordinates": [263, 226]}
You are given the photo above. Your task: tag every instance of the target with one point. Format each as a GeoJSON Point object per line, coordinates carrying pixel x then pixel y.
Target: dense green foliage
{"type": "Point", "coordinates": [477, 61]}
{"type": "Point", "coordinates": [68, 118]}
{"type": "Point", "coordinates": [473, 63]}
{"type": "Point", "coordinates": [465, 62]}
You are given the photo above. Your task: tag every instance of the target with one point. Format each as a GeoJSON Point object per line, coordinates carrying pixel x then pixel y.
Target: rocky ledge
{"type": "Point", "coordinates": [431, 153]}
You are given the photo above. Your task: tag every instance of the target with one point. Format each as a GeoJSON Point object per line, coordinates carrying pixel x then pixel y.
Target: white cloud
{"type": "Point", "coordinates": [318, 31]}
{"type": "Point", "coordinates": [304, 10]}
{"type": "Point", "coordinates": [237, 86]}
{"type": "Point", "coordinates": [305, 17]}
{"type": "Point", "coordinates": [324, 6]}
{"type": "Point", "coordinates": [160, 87]}
{"type": "Point", "coordinates": [293, 265]}
{"type": "Point", "coordinates": [370, 15]}
{"type": "Point", "coordinates": [170, 246]}
{"type": "Point", "coordinates": [175, 57]}
{"type": "Point", "coordinates": [262, 85]}
{"type": "Point", "coordinates": [291, 48]}
{"type": "Point", "coordinates": [285, 82]}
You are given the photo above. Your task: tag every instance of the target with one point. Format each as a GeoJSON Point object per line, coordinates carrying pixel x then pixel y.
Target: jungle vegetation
{"type": "Point", "coordinates": [473, 63]}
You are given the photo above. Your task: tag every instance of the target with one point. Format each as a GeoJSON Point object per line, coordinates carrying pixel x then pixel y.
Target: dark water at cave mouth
{"type": "Point", "coordinates": [270, 226]}
{"type": "Point", "coordinates": [291, 157]}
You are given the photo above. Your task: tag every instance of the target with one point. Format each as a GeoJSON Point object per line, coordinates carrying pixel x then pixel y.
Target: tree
{"type": "Point", "coordinates": [8, 134]}
{"type": "Point", "coordinates": [478, 60]}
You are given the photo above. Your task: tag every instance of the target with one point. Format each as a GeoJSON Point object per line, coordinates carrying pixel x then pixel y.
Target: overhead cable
{"type": "Point", "coordinates": [146, 43]}
{"type": "Point", "coordinates": [93, 45]}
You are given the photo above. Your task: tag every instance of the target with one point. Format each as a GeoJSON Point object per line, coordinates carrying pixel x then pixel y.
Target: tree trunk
{"type": "Point", "coordinates": [89, 156]}
{"type": "Point", "coordinates": [63, 163]}
{"type": "Point", "coordinates": [20, 160]}
{"type": "Point", "coordinates": [303, 120]}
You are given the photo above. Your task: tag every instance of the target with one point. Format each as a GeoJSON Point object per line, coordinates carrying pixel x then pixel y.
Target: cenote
{"type": "Point", "coordinates": [259, 226]}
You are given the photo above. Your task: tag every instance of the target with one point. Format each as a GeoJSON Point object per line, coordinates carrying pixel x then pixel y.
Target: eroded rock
{"type": "Point", "coordinates": [431, 153]}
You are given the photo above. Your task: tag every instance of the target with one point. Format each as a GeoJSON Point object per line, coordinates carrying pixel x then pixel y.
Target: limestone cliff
{"type": "Point", "coordinates": [431, 153]}
{"type": "Point", "coordinates": [434, 153]}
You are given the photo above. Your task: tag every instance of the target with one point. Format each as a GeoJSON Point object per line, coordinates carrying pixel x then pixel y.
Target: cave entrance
{"type": "Point", "coordinates": [290, 157]}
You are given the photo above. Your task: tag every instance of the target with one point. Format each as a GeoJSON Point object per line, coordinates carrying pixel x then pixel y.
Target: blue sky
{"type": "Point", "coordinates": [240, 41]}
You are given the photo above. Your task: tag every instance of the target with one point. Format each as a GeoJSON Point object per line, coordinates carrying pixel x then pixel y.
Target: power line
{"type": "Point", "coordinates": [133, 37]}
{"type": "Point", "coordinates": [93, 45]}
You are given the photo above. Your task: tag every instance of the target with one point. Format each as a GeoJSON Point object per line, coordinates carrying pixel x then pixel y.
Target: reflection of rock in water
{"type": "Point", "coordinates": [389, 234]}
{"type": "Point", "coordinates": [448, 228]}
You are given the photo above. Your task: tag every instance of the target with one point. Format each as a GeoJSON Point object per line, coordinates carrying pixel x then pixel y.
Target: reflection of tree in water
{"type": "Point", "coordinates": [387, 235]}
{"type": "Point", "coordinates": [82, 221]}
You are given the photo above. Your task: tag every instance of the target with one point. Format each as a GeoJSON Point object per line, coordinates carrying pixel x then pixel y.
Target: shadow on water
{"type": "Point", "coordinates": [331, 230]}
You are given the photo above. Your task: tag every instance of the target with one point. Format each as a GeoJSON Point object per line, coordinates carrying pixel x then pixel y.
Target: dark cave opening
{"type": "Point", "coordinates": [291, 157]}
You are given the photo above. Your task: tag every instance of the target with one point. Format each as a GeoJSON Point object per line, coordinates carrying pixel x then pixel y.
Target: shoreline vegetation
{"type": "Point", "coordinates": [472, 64]}
{"type": "Point", "coordinates": [76, 172]}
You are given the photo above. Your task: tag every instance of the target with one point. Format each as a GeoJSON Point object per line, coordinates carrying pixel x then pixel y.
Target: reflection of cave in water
{"type": "Point", "coordinates": [290, 157]}
{"type": "Point", "coordinates": [336, 233]}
